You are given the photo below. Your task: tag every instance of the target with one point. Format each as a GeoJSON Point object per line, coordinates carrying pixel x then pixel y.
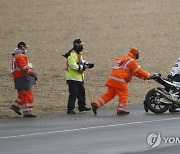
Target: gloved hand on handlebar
{"type": "Point", "coordinates": [155, 76]}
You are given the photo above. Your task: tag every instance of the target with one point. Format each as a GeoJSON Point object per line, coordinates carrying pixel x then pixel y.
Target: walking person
{"type": "Point", "coordinates": [24, 78]}
{"type": "Point", "coordinates": [75, 69]}
{"type": "Point", "coordinates": [118, 79]}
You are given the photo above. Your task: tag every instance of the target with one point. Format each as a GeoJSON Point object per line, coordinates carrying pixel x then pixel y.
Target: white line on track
{"type": "Point", "coordinates": [87, 128]}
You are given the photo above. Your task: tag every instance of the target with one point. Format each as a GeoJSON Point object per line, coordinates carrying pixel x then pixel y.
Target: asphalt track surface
{"type": "Point", "coordinates": [85, 133]}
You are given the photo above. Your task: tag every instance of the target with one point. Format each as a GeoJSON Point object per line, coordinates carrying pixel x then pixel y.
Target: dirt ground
{"type": "Point", "coordinates": [109, 29]}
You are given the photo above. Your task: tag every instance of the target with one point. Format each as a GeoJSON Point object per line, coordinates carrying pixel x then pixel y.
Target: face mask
{"type": "Point", "coordinates": [137, 56]}
{"type": "Point", "coordinates": [24, 51]}
{"type": "Point", "coordinates": [81, 53]}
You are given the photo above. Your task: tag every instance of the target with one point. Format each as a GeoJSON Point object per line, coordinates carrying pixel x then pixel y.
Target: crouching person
{"type": "Point", "coordinates": [24, 78]}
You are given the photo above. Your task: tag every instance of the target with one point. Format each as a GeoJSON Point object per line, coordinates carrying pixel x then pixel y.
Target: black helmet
{"type": "Point", "coordinates": [78, 47]}
{"type": "Point", "coordinates": [77, 41]}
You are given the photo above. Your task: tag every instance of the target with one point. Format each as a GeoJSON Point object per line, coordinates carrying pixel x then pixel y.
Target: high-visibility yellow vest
{"type": "Point", "coordinates": [72, 70]}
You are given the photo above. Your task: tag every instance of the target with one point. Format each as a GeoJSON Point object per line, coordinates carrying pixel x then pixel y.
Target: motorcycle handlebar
{"type": "Point", "coordinates": [155, 76]}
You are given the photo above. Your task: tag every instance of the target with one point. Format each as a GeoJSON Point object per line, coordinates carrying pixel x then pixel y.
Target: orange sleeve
{"type": "Point", "coordinates": [22, 63]}
{"type": "Point", "coordinates": [138, 71]}
{"type": "Point", "coordinates": [143, 74]}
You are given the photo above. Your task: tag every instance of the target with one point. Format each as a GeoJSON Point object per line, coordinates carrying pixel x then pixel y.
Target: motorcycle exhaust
{"type": "Point", "coordinates": [168, 97]}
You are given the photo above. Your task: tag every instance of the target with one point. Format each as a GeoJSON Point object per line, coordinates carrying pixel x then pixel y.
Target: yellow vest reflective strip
{"type": "Point", "coordinates": [74, 79]}
{"type": "Point", "coordinates": [117, 79]}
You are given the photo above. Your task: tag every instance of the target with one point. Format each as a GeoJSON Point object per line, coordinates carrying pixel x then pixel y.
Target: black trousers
{"type": "Point", "coordinates": [76, 91]}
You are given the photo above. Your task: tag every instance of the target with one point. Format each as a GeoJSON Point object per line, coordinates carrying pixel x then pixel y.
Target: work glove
{"type": "Point", "coordinates": [155, 76]}
{"type": "Point", "coordinates": [34, 75]}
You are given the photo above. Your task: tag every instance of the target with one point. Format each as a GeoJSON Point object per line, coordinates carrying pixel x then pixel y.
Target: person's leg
{"type": "Point", "coordinates": [17, 102]}
{"type": "Point", "coordinates": [73, 91]}
{"type": "Point", "coordinates": [105, 98]}
{"type": "Point", "coordinates": [123, 97]}
{"type": "Point", "coordinates": [82, 98]}
{"type": "Point", "coordinates": [27, 98]}
{"type": "Point", "coordinates": [81, 95]}
{"type": "Point", "coordinates": [16, 106]}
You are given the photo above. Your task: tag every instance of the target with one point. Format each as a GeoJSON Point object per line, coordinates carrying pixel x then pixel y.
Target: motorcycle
{"type": "Point", "coordinates": [159, 100]}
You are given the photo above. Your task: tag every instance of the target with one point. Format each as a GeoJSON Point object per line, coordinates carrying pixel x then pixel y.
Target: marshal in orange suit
{"type": "Point", "coordinates": [118, 79]}
{"type": "Point", "coordinates": [24, 78]}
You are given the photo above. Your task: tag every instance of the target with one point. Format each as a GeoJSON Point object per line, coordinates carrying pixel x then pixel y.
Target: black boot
{"type": "Point", "coordinates": [123, 113]}
{"type": "Point", "coordinates": [71, 112]}
{"type": "Point", "coordinates": [28, 114]}
{"type": "Point", "coordinates": [94, 108]}
{"type": "Point", "coordinates": [16, 109]}
{"type": "Point", "coordinates": [145, 106]}
{"type": "Point", "coordinates": [84, 109]}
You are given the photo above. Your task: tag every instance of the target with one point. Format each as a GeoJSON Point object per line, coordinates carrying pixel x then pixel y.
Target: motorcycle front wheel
{"type": "Point", "coordinates": [153, 102]}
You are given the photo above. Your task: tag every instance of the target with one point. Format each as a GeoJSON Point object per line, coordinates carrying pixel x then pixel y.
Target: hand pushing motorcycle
{"type": "Point", "coordinates": [159, 100]}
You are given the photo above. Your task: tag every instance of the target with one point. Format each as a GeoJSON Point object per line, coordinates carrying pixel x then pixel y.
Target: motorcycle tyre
{"type": "Point", "coordinates": [150, 107]}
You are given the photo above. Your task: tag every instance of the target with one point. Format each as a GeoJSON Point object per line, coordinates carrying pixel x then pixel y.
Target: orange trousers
{"type": "Point", "coordinates": [110, 94]}
{"type": "Point", "coordinates": [25, 100]}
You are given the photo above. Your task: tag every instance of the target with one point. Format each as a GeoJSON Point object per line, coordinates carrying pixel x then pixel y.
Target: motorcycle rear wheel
{"type": "Point", "coordinates": [154, 104]}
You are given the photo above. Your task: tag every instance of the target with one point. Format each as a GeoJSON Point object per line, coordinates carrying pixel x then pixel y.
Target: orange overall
{"type": "Point", "coordinates": [22, 70]}
{"type": "Point", "coordinates": [121, 74]}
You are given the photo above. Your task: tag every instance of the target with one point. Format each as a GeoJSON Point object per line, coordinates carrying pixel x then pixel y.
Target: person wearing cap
{"type": "Point", "coordinates": [76, 41]}
{"type": "Point", "coordinates": [24, 78]}
{"type": "Point", "coordinates": [75, 79]}
{"type": "Point", "coordinates": [118, 79]}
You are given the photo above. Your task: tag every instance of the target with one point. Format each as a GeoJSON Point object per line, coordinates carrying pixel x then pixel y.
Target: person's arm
{"type": "Point", "coordinates": [22, 63]}
{"type": "Point", "coordinates": [72, 63]}
{"type": "Point", "coordinates": [138, 71]}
